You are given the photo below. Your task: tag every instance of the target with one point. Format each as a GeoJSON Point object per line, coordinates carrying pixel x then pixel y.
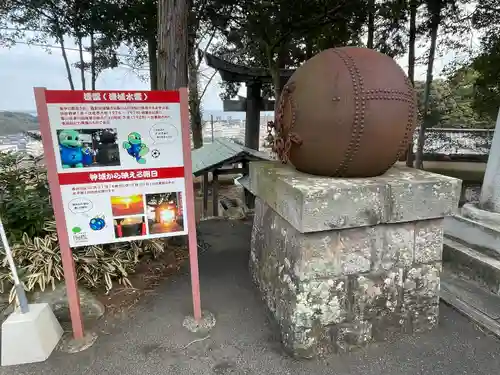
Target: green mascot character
{"type": "Point", "coordinates": [73, 154]}
{"type": "Point", "coordinates": [135, 147]}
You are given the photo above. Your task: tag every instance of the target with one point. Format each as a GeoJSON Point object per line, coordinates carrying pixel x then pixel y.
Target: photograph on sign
{"type": "Point", "coordinates": [133, 226]}
{"type": "Point", "coordinates": [164, 213]}
{"type": "Point", "coordinates": [89, 148]}
{"type": "Point", "coordinates": [119, 163]}
{"type": "Point", "coordinates": [127, 205]}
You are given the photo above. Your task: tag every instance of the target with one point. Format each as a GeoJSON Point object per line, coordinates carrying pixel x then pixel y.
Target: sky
{"type": "Point", "coordinates": [23, 67]}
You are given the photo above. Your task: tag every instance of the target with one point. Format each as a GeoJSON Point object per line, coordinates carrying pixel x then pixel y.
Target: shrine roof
{"type": "Point", "coordinates": [222, 151]}
{"type": "Point", "coordinates": [231, 72]}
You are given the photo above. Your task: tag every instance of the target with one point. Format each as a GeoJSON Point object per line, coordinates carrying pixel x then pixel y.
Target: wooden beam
{"type": "Point", "coordinates": [240, 105]}
{"type": "Point", "coordinates": [248, 197]}
{"type": "Point", "coordinates": [230, 171]}
{"type": "Point", "coordinates": [215, 194]}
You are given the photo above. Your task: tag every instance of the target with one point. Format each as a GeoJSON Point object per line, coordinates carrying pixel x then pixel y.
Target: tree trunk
{"type": "Point", "coordinates": [60, 38]}
{"type": "Point", "coordinates": [411, 63]}
{"type": "Point", "coordinates": [371, 23]}
{"type": "Point", "coordinates": [82, 62]}
{"type": "Point", "coordinates": [194, 95]}
{"type": "Point", "coordinates": [172, 44]}
{"type": "Point", "coordinates": [412, 41]}
{"type": "Point", "coordinates": [93, 75]}
{"type": "Point", "coordinates": [153, 61]}
{"type": "Point", "coordinates": [436, 18]}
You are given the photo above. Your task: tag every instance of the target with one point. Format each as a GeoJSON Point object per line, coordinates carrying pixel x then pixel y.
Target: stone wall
{"type": "Point", "coordinates": [360, 280]}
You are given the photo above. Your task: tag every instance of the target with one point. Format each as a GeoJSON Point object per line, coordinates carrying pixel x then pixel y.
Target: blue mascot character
{"type": "Point", "coordinates": [97, 223]}
{"type": "Point", "coordinates": [73, 155]}
{"type": "Point", "coordinates": [135, 147]}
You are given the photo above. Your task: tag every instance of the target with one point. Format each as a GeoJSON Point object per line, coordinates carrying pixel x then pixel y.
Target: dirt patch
{"type": "Point", "coordinates": [150, 272]}
{"type": "Point", "coordinates": [228, 189]}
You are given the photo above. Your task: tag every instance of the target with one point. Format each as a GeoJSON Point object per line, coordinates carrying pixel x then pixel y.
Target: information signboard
{"type": "Point", "coordinates": [120, 167]}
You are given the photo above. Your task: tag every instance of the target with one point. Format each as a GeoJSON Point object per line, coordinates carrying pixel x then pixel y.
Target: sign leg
{"type": "Point", "coordinates": [55, 192]}
{"type": "Point", "coordinates": [191, 218]}
{"type": "Point", "coordinates": [72, 292]}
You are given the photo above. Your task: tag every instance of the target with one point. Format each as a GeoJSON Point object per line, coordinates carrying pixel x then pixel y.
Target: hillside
{"type": "Point", "coordinates": [16, 122]}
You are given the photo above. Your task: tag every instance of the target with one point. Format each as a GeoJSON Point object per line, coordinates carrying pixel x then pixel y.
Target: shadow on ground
{"type": "Point", "coordinates": [151, 340]}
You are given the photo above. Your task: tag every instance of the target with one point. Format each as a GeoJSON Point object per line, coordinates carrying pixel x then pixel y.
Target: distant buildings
{"type": "Point", "coordinates": [20, 142]}
{"type": "Point", "coordinates": [8, 148]}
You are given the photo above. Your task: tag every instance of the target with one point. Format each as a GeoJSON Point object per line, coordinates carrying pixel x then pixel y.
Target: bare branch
{"type": "Point", "coordinates": [206, 49]}
{"type": "Point", "coordinates": [207, 84]}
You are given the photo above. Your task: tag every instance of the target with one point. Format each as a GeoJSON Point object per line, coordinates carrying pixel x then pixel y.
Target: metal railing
{"type": "Point", "coordinates": [440, 143]}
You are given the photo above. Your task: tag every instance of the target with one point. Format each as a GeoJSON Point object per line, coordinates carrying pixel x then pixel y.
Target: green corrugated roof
{"type": "Point", "coordinates": [219, 152]}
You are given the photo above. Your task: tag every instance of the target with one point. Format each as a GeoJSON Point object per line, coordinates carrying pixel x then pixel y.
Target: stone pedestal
{"type": "Point", "coordinates": [472, 245]}
{"type": "Point", "coordinates": [478, 224]}
{"type": "Point", "coordinates": [342, 262]}
{"type": "Point", "coordinates": [490, 191]}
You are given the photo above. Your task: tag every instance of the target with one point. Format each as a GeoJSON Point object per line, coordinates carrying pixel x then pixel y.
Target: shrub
{"type": "Point", "coordinates": [25, 204]}
{"type": "Point", "coordinates": [28, 217]}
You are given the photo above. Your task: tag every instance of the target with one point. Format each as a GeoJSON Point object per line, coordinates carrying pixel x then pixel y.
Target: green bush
{"type": "Point", "coordinates": [25, 204]}
{"type": "Point", "coordinates": [27, 214]}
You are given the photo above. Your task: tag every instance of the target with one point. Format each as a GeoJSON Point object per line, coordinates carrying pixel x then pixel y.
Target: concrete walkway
{"type": "Point", "coordinates": [151, 339]}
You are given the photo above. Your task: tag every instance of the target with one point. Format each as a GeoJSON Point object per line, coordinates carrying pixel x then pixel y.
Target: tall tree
{"type": "Point", "coordinates": [435, 8]}
{"type": "Point", "coordinates": [282, 33]}
{"type": "Point", "coordinates": [200, 37]}
{"type": "Point", "coordinates": [172, 44]}
{"type": "Point", "coordinates": [448, 16]}
{"type": "Point", "coordinates": [487, 63]}
{"type": "Point", "coordinates": [60, 19]}
{"type": "Point", "coordinates": [371, 23]}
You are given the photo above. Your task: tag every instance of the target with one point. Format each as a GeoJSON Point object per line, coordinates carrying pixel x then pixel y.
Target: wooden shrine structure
{"type": "Point", "coordinates": [223, 157]}
{"type": "Point", "coordinates": [253, 104]}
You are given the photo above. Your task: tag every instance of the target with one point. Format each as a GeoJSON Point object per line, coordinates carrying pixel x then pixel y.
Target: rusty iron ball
{"type": "Point", "coordinates": [346, 112]}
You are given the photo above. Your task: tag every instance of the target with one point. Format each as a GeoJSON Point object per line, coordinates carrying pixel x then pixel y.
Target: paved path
{"type": "Point", "coordinates": [152, 341]}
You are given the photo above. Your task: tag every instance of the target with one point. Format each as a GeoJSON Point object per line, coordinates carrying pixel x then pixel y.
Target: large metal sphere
{"type": "Point", "coordinates": [346, 112]}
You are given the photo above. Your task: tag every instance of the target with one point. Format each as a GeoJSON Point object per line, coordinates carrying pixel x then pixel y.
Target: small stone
{"type": "Point", "coordinates": [348, 336]}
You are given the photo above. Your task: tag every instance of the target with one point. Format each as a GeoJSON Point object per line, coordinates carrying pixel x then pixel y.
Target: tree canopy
{"type": "Point", "coordinates": [279, 34]}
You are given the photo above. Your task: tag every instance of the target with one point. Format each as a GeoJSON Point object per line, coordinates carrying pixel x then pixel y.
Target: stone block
{"type": "Point", "coordinates": [429, 241]}
{"type": "Point", "coordinates": [336, 290]}
{"type": "Point", "coordinates": [421, 297]}
{"type": "Point", "coordinates": [314, 204]}
{"type": "Point", "coordinates": [478, 234]}
{"type": "Point", "coordinates": [393, 246]}
{"type": "Point", "coordinates": [415, 194]}
{"type": "Point", "coordinates": [376, 294]}
{"type": "Point", "coordinates": [472, 263]}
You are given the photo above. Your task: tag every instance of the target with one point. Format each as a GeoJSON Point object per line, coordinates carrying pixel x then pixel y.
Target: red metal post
{"type": "Point", "coordinates": [191, 218]}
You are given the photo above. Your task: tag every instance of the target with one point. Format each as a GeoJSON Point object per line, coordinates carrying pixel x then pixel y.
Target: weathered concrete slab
{"type": "Point", "coordinates": [470, 263]}
{"type": "Point", "coordinates": [313, 204]}
{"type": "Point", "coordinates": [480, 235]}
{"type": "Point", "coordinates": [472, 300]}
{"type": "Point", "coordinates": [336, 290]}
